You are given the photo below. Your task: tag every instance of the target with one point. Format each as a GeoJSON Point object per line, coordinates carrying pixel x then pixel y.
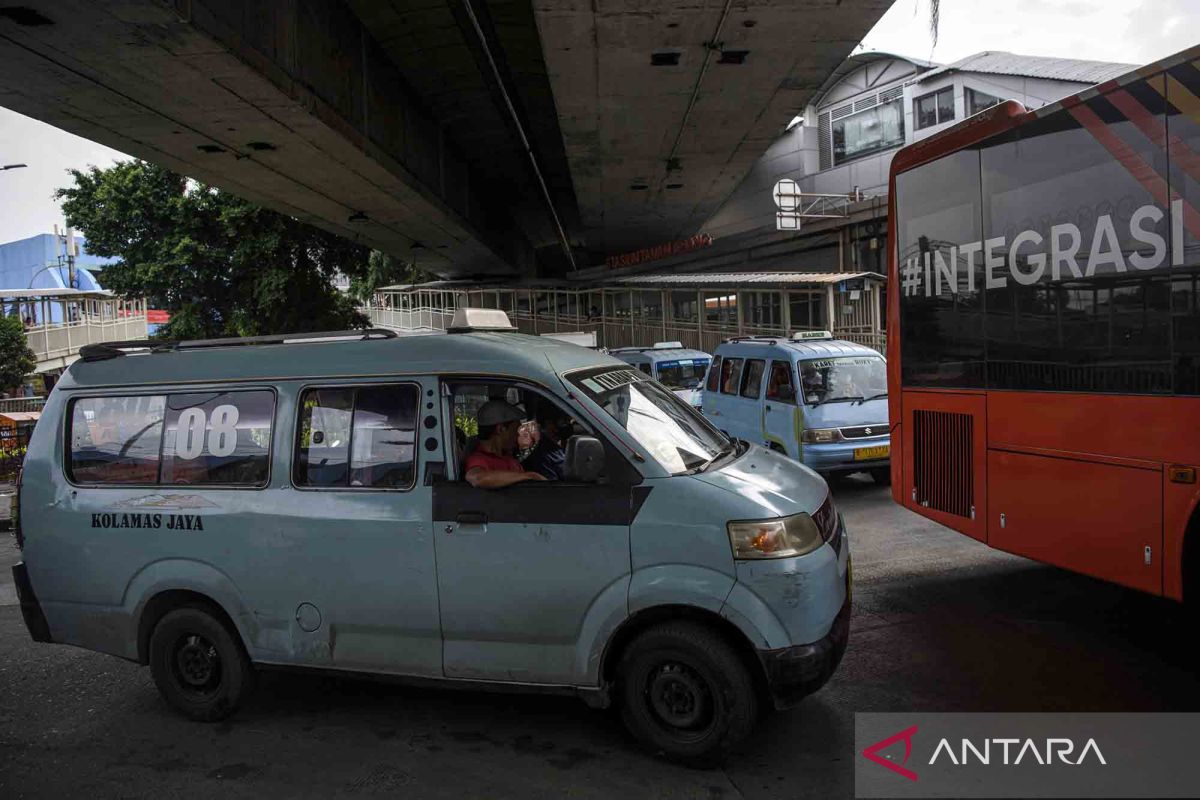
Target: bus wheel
{"type": "Point", "coordinates": [684, 692]}
{"type": "Point", "coordinates": [881, 475]}
{"type": "Point", "coordinates": [199, 666]}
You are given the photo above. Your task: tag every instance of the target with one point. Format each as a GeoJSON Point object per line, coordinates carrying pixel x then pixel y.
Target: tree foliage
{"type": "Point", "coordinates": [384, 270]}
{"type": "Point", "coordinates": [16, 359]}
{"type": "Point", "coordinates": [221, 265]}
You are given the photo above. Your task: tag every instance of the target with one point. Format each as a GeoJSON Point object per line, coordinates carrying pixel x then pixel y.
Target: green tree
{"type": "Point", "coordinates": [221, 265]}
{"type": "Point", "coordinates": [16, 359]}
{"type": "Point", "coordinates": [384, 270]}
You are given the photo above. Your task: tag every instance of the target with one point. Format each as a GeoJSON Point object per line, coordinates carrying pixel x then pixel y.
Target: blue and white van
{"type": "Point", "coordinates": [681, 369]}
{"type": "Point", "coordinates": [819, 400]}
{"type": "Point", "coordinates": [213, 508]}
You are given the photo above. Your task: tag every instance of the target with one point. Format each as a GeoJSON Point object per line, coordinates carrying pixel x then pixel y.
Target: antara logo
{"type": "Point", "coordinates": [1061, 749]}
{"type": "Point", "coordinates": [872, 752]}
{"type": "Point", "coordinates": [1045, 752]}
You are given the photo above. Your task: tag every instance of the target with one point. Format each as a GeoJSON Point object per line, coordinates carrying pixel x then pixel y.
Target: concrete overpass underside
{"type": "Point", "coordinates": [478, 137]}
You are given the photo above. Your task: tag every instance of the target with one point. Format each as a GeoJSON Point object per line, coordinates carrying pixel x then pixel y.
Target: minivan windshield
{"type": "Point", "coordinates": [670, 430]}
{"type": "Point", "coordinates": [846, 379]}
{"type": "Point", "coordinates": [683, 374]}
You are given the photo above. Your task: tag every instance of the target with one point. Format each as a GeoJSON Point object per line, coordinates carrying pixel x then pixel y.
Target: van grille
{"type": "Point", "coordinates": [944, 462]}
{"type": "Point", "coordinates": [863, 431]}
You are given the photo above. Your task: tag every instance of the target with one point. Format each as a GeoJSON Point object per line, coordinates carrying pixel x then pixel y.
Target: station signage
{"type": "Point", "coordinates": [697, 242]}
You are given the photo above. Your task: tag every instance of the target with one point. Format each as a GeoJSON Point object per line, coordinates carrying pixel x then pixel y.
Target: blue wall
{"type": "Point", "coordinates": [30, 264]}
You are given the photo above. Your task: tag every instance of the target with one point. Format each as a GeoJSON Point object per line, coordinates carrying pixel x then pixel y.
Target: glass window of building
{"type": "Point", "coordinates": [934, 108]}
{"type": "Point", "coordinates": [867, 132]}
{"type": "Point", "coordinates": [978, 101]}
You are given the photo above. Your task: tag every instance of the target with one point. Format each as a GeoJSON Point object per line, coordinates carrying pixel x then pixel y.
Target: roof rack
{"type": "Point", "coordinates": [761, 339]}
{"type": "Point", "coordinates": [106, 350]}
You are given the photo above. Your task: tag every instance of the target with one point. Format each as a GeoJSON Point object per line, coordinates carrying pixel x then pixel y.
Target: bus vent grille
{"type": "Point", "coordinates": [944, 461]}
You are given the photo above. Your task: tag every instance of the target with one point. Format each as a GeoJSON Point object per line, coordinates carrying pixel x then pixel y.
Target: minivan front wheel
{"type": "Point", "coordinates": [198, 665]}
{"type": "Point", "coordinates": [685, 692]}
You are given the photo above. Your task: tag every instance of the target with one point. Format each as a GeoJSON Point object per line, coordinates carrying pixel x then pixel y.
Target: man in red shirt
{"type": "Point", "coordinates": [491, 464]}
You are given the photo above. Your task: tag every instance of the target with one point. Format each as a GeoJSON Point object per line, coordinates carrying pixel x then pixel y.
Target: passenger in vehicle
{"type": "Point", "coordinates": [491, 464]}
{"type": "Point", "coordinates": [549, 457]}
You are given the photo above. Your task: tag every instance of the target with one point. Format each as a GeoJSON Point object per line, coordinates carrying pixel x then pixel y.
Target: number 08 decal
{"type": "Point", "coordinates": [222, 436]}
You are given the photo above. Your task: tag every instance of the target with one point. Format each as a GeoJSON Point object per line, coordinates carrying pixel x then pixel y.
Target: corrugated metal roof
{"type": "Point", "coordinates": [21, 416]}
{"type": "Point", "coordinates": [997, 62]}
{"type": "Point", "coordinates": [747, 279]}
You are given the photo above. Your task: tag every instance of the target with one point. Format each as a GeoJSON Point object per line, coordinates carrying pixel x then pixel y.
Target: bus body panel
{"type": "Point", "coordinates": [925, 499]}
{"type": "Point", "coordinates": [1100, 519]}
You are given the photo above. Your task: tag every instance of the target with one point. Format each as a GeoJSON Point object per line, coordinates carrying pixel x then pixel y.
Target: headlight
{"type": "Point", "coordinates": [775, 538]}
{"type": "Point", "coordinates": [821, 435]}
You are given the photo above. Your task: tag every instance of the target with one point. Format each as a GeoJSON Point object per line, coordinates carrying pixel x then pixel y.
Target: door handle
{"type": "Point", "coordinates": [471, 518]}
{"type": "Point", "coordinates": [768, 408]}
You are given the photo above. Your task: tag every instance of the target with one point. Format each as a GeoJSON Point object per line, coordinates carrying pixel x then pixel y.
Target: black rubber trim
{"type": "Point", "coordinates": [537, 502]}
{"type": "Point", "coordinates": [31, 609]}
{"type": "Point", "coordinates": [434, 471]}
{"type": "Point", "coordinates": [637, 500]}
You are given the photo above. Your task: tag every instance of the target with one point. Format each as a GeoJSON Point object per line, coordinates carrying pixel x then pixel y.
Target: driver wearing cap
{"type": "Point", "coordinates": [491, 465]}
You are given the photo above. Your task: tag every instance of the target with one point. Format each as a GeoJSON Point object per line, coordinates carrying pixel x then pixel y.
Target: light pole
{"type": "Point", "coordinates": [13, 166]}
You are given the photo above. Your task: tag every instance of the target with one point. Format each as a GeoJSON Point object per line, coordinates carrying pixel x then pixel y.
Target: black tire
{"type": "Point", "coordinates": [881, 475]}
{"type": "Point", "coordinates": [199, 665]}
{"type": "Point", "coordinates": [684, 692]}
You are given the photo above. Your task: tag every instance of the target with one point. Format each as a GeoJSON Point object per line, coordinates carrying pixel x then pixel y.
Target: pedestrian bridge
{"type": "Point", "coordinates": [60, 321]}
{"type": "Point", "coordinates": [698, 310]}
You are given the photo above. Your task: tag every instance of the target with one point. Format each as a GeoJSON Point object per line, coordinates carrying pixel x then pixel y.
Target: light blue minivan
{"type": "Point", "coordinates": [681, 369]}
{"type": "Point", "coordinates": [819, 400]}
{"type": "Point", "coordinates": [210, 508]}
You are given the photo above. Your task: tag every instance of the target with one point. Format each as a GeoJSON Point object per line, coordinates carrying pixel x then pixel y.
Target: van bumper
{"type": "Point", "coordinates": [797, 671]}
{"type": "Point", "coordinates": [839, 456]}
{"type": "Point", "coordinates": [31, 609]}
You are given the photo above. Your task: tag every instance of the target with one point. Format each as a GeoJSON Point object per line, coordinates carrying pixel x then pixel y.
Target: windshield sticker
{"type": "Point", "coordinates": [830, 362]}
{"type": "Point", "coordinates": [608, 381]}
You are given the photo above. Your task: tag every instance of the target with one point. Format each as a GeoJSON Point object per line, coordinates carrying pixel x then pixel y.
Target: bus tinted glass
{"type": "Point", "coordinates": [941, 285]}
{"type": "Point", "coordinates": [1079, 274]}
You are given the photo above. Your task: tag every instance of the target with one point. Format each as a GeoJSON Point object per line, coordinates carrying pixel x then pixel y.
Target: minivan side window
{"type": "Point", "coordinates": [752, 378]}
{"type": "Point", "coordinates": [644, 368]}
{"type": "Point", "coordinates": [214, 438]}
{"type": "Point", "coordinates": [116, 439]}
{"type": "Point", "coordinates": [779, 383]}
{"type": "Point", "coordinates": [218, 438]}
{"type": "Point", "coordinates": [731, 371]}
{"type": "Point", "coordinates": [357, 437]}
{"type": "Point", "coordinates": [714, 375]}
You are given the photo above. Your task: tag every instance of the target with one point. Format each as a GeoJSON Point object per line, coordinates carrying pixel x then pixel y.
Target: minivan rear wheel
{"type": "Point", "coordinates": [686, 693]}
{"type": "Point", "coordinates": [199, 666]}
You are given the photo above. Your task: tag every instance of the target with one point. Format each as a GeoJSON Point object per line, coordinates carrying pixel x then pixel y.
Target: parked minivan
{"type": "Point", "coordinates": [681, 369]}
{"type": "Point", "coordinates": [819, 400]}
{"type": "Point", "coordinates": [213, 507]}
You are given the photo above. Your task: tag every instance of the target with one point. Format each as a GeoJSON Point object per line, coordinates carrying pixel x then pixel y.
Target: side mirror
{"type": "Point", "coordinates": [585, 459]}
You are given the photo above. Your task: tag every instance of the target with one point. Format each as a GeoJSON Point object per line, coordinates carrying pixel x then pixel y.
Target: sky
{"type": "Point", "coordinates": [1124, 31]}
{"type": "Point", "coordinates": [1129, 31]}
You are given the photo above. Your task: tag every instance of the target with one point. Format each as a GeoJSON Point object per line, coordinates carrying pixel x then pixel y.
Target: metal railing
{"type": "Point", "coordinates": [57, 344]}
{"type": "Point", "coordinates": [21, 404]}
{"type": "Point", "coordinates": [432, 311]}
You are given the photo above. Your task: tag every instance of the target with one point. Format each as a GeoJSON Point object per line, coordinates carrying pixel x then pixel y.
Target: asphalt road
{"type": "Point", "coordinates": [940, 623]}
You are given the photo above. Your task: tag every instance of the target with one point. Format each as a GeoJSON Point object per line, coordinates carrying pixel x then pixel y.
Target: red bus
{"type": "Point", "coordinates": [1044, 329]}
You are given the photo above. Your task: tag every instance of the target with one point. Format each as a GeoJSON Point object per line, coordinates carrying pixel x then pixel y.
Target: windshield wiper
{"type": "Point", "coordinates": [731, 447]}
{"type": "Point", "coordinates": [847, 399]}
{"type": "Point", "coordinates": [875, 397]}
